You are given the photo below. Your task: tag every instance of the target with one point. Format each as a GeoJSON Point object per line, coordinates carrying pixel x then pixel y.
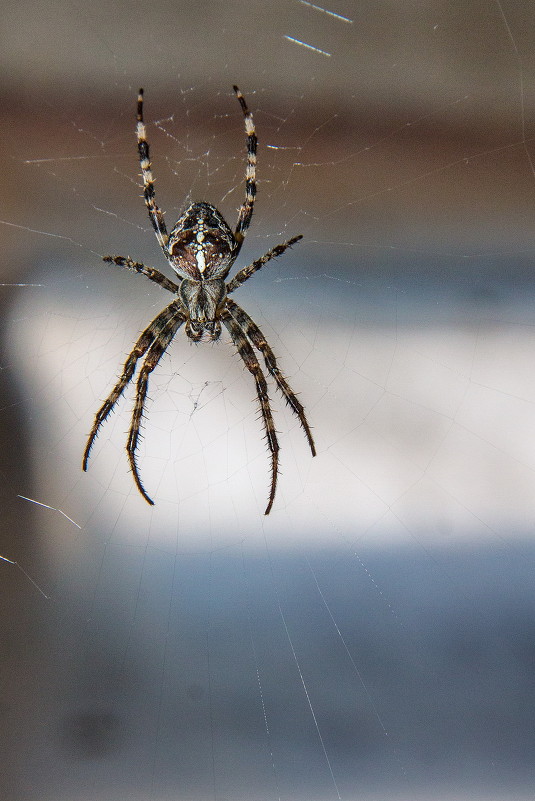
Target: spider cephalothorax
{"type": "Point", "coordinates": [204, 301]}
{"type": "Point", "coordinates": [201, 249]}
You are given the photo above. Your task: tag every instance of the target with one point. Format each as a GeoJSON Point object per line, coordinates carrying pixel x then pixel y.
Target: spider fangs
{"type": "Point", "coordinates": [201, 249]}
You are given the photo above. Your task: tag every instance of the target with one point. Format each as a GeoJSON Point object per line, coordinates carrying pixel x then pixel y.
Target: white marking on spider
{"type": "Point", "coordinates": [201, 262]}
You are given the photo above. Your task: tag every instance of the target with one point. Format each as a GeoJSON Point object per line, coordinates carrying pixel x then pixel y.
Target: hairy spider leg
{"type": "Point", "coordinates": [142, 269]}
{"type": "Point", "coordinates": [155, 214]}
{"type": "Point", "coordinates": [155, 353]}
{"type": "Point", "coordinates": [246, 211]}
{"type": "Point", "coordinates": [251, 362]}
{"type": "Point", "coordinates": [258, 339]}
{"type": "Point", "coordinates": [251, 269]}
{"type": "Point", "coordinates": [149, 335]}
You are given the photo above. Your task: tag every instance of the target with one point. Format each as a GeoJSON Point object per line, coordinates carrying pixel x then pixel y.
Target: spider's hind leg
{"type": "Point", "coordinates": [155, 213]}
{"type": "Point", "coordinates": [246, 211]}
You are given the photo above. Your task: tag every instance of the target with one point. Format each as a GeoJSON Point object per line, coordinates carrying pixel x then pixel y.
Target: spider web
{"type": "Point", "coordinates": [371, 638]}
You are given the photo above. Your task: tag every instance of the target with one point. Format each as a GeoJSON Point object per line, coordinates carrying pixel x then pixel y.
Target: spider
{"type": "Point", "coordinates": [201, 249]}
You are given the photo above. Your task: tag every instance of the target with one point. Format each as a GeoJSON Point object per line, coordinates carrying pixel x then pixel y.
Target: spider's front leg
{"type": "Point", "coordinates": [247, 354]}
{"type": "Point", "coordinates": [142, 345]}
{"type": "Point", "coordinates": [155, 353]}
{"type": "Point", "coordinates": [259, 341]}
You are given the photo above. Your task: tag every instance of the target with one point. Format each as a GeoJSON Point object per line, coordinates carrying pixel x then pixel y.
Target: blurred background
{"type": "Point", "coordinates": [373, 638]}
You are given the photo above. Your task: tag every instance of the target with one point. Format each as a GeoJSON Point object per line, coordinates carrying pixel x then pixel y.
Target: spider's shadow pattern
{"type": "Point", "coordinates": [201, 249]}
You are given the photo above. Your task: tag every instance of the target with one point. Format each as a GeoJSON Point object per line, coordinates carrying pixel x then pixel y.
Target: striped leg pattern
{"type": "Point", "coordinates": [155, 353]}
{"type": "Point", "coordinates": [151, 334]}
{"type": "Point", "coordinates": [142, 269]}
{"type": "Point", "coordinates": [251, 269]}
{"type": "Point", "coordinates": [246, 211]}
{"type": "Point", "coordinates": [251, 362]}
{"type": "Point", "coordinates": [259, 341]}
{"type": "Point", "coordinates": [155, 214]}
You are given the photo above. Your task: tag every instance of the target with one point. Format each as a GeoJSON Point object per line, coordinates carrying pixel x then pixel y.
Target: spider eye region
{"type": "Point", "coordinates": [201, 243]}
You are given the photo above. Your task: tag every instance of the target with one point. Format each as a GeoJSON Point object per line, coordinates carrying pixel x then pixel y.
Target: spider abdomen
{"type": "Point", "coordinates": [201, 244]}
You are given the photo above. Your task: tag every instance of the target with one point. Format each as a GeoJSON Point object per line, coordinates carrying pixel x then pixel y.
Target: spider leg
{"type": "Point", "coordinates": [155, 214]}
{"type": "Point", "coordinates": [247, 354]}
{"type": "Point", "coordinates": [142, 269]}
{"type": "Point", "coordinates": [251, 269]}
{"type": "Point", "coordinates": [259, 341]}
{"type": "Point", "coordinates": [155, 352]}
{"type": "Point", "coordinates": [140, 348]}
{"type": "Point", "coordinates": [246, 211]}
